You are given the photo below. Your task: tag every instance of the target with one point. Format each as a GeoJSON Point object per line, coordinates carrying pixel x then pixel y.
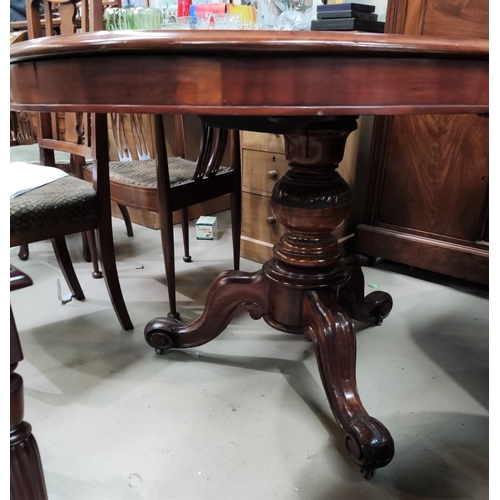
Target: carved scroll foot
{"type": "Point", "coordinates": [232, 292]}
{"type": "Point", "coordinates": [373, 308]}
{"type": "Point", "coordinates": [331, 330]}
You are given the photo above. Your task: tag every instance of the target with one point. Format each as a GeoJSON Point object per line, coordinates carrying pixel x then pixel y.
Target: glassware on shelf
{"type": "Point", "coordinates": [260, 15]}
{"type": "Point", "coordinates": [293, 20]}
{"type": "Point", "coordinates": [181, 23]}
{"type": "Point", "coordinates": [116, 19]}
{"type": "Point", "coordinates": [131, 17]}
{"type": "Point", "coordinates": [183, 7]}
{"type": "Point", "coordinates": [211, 21]}
{"type": "Point", "coordinates": [148, 18]}
{"type": "Point", "coordinates": [138, 18]}
{"type": "Point", "coordinates": [283, 14]}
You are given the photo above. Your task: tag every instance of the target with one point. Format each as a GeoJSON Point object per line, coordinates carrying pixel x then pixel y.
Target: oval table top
{"type": "Point", "coordinates": [251, 73]}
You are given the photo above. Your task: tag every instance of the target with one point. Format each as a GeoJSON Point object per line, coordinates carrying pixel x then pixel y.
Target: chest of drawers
{"type": "Point", "coordinates": [263, 163]}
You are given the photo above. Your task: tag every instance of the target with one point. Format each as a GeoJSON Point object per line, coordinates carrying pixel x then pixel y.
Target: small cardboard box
{"type": "Point", "coordinates": [206, 228]}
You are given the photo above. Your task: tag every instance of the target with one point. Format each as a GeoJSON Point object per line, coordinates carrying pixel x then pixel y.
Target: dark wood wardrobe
{"type": "Point", "coordinates": [426, 199]}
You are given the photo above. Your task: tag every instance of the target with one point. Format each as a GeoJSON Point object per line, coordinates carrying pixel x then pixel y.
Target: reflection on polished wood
{"type": "Point", "coordinates": [310, 87]}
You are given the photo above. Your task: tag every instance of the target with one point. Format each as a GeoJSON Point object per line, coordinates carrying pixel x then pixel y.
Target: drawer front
{"type": "Point", "coordinates": [261, 170]}
{"type": "Point", "coordinates": [257, 219]}
{"type": "Point", "coordinates": [258, 251]}
{"type": "Point", "coordinates": [265, 142]}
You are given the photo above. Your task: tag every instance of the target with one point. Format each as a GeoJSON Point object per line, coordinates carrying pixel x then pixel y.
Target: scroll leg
{"type": "Point", "coordinates": [331, 330]}
{"type": "Point", "coordinates": [373, 308]}
{"type": "Point", "coordinates": [232, 292]}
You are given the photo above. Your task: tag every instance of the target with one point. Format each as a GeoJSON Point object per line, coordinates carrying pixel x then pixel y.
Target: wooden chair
{"type": "Point", "coordinates": [26, 473]}
{"type": "Point", "coordinates": [138, 183]}
{"type": "Point", "coordinates": [170, 183]}
{"type": "Point", "coordinates": [21, 128]}
{"type": "Point", "coordinates": [66, 132]}
{"type": "Point", "coordinates": [70, 205]}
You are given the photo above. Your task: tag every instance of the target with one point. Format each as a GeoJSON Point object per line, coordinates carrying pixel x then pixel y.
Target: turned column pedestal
{"type": "Point", "coordinates": [308, 287]}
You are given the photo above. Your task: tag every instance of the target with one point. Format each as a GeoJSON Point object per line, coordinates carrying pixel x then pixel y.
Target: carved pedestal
{"type": "Point", "coordinates": [307, 288]}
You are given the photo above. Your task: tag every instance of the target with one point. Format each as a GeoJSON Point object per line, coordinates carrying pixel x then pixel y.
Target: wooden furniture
{"type": "Point", "coordinates": [21, 130]}
{"type": "Point", "coordinates": [427, 189]}
{"type": "Point", "coordinates": [70, 205]}
{"type": "Point", "coordinates": [263, 163]}
{"type": "Point", "coordinates": [310, 87]}
{"type": "Point", "coordinates": [136, 183]}
{"type": "Point", "coordinates": [192, 133]}
{"type": "Point", "coordinates": [67, 132]}
{"type": "Point", "coordinates": [26, 473]}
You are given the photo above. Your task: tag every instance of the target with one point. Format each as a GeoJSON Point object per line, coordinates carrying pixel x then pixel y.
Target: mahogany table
{"type": "Point", "coordinates": [310, 87]}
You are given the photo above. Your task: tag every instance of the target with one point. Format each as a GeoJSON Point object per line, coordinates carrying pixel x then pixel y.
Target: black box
{"type": "Point", "coordinates": [354, 14]}
{"type": "Point", "coordinates": [346, 6]}
{"type": "Point", "coordinates": [347, 25]}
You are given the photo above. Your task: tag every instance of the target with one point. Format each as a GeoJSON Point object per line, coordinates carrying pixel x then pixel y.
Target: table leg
{"type": "Point", "coordinates": [307, 288]}
{"type": "Point", "coordinates": [373, 308]}
{"type": "Point", "coordinates": [331, 330]}
{"type": "Point", "coordinates": [232, 292]}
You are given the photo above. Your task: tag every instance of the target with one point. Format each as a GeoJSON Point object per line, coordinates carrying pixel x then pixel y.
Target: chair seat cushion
{"type": "Point", "coordinates": [62, 202]}
{"type": "Point", "coordinates": [143, 173]}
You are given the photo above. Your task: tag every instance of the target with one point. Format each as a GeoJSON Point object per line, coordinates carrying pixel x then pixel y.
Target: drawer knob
{"type": "Point", "coordinates": [272, 174]}
{"type": "Point", "coordinates": [271, 220]}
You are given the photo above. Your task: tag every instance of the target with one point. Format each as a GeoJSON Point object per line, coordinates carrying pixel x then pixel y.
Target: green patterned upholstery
{"type": "Point", "coordinates": [58, 203]}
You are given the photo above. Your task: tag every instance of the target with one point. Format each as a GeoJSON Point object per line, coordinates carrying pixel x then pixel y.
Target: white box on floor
{"type": "Point", "coordinates": [206, 228]}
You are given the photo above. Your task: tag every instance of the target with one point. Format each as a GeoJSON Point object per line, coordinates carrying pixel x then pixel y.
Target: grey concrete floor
{"type": "Point", "coordinates": [245, 416]}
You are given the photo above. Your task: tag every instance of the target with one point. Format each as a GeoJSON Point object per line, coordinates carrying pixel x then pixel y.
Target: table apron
{"type": "Point", "coordinates": [252, 85]}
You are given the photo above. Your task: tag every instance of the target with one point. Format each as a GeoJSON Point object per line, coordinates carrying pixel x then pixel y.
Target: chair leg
{"type": "Point", "coordinates": [236, 227]}
{"type": "Point", "coordinates": [105, 244]}
{"type": "Point", "coordinates": [87, 256]}
{"type": "Point", "coordinates": [106, 250]}
{"type": "Point", "coordinates": [166, 222]}
{"type": "Point", "coordinates": [126, 218]}
{"type": "Point", "coordinates": [185, 233]}
{"type": "Point", "coordinates": [64, 261]}
{"type": "Point", "coordinates": [24, 252]}
{"type": "Point", "coordinates": [167, 240]}
{"type": "Point", "coordinates": [96, 274]}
